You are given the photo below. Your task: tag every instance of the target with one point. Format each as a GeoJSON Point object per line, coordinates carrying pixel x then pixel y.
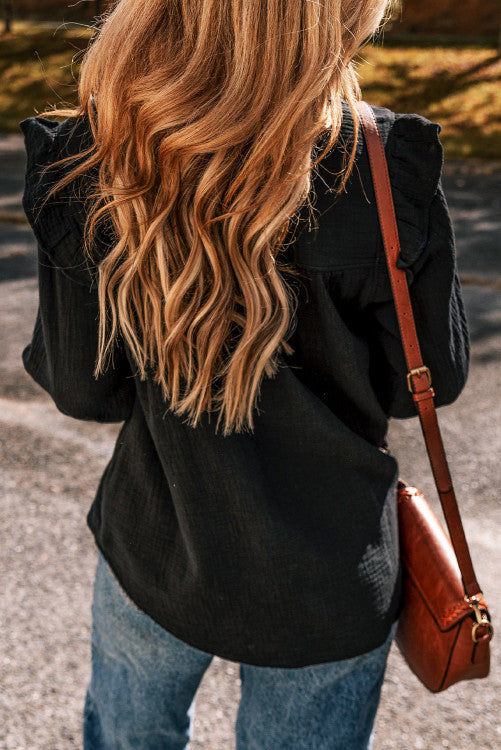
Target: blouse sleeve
{"type": "Point", "coordinates": [63, 349]}
{"type": "Point", "coordinates": [428, 256]}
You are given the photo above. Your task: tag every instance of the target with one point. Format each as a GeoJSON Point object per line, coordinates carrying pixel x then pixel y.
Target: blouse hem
{"type": "Point", "coordinates": [240, 656]}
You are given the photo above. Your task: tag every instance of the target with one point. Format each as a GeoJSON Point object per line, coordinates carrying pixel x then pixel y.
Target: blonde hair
{"type": "Point", "coordinates": [206, 123]}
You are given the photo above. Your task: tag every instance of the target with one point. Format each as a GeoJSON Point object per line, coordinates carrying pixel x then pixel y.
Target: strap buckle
{"type": "Point", "coordinates": [482, 619]}
{"type": "Point", "coordinates": [418, 371]}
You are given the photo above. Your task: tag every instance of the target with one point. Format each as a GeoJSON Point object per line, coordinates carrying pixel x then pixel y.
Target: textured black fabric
{"type": "Point", "coordinates": [276, 548]}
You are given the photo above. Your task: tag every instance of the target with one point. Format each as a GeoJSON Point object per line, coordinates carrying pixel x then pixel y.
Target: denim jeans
{"type": "Point", "coordinates": [143, 684]}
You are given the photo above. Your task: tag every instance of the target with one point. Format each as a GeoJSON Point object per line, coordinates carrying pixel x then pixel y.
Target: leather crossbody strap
{"type": "Point", "coordinates": [418, 377]}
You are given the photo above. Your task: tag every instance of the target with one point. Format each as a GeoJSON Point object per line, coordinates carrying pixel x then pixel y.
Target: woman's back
{"type": "Point", "coordinates": [249, 545]}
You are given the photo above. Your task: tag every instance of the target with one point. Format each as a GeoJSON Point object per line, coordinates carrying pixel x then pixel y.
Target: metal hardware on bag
{"type": "Point", "coordinates": [418, 371]}
{"type": "Point", "coordinates": [473, 598]}
{"type": "Point", "coordinates": [482, 620]}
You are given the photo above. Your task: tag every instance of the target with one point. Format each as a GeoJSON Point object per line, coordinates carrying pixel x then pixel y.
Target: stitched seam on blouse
{"type": "Point", "coordinates": [344, 266]}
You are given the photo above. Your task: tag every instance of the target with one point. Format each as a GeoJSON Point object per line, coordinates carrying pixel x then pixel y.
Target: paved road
{"type": "Point", "coordinates": [51, 465]}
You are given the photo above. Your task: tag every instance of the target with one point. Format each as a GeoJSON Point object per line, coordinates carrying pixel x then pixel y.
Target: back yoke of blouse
{"type": "Point", "coordinates": [278, 547]}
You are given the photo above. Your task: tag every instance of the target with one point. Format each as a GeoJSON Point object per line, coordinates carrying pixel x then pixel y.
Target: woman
{"type": "Point", "coordinates": [249, 507]}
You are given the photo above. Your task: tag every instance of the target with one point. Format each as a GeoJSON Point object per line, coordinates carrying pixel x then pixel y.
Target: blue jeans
{"type": "Point", "coordinates": [143, 684]}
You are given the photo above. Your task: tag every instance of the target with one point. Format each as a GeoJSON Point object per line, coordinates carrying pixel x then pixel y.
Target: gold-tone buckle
{"type": "Point", "coordinates": [418, 371]}
{"type": "Point", "coordinates": [482, 619]}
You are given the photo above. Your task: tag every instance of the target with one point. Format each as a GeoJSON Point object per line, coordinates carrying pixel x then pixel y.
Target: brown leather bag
{"type": "Point", "coordinates": [444, 628]}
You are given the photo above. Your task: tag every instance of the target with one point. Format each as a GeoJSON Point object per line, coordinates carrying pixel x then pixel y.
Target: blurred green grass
{"type": "Point", "coordinates": [459, 87]}
{"type": "Point", "coordinates": [38, 69]}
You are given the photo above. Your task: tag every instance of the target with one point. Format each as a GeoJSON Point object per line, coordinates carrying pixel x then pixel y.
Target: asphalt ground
{"type": "Point", "coordinates": [51, 465]}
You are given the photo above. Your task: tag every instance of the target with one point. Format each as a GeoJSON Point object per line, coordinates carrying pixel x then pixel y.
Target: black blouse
{"type": "Point", "coordinates": [277, 548]}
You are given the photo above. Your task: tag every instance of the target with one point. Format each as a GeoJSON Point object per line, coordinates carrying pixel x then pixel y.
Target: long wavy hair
{"type": "Point", "coordinates": [206, 117]}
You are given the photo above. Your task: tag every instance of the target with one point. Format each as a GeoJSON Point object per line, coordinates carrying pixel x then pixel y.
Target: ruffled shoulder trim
{"type": "Point", "coordinates": [415, 161]}
{"type": "Point", "coordinates": [47, 141]}
{"type": "Point", "coordinates": [39, 135]}
{"type": "Point", "coordinates": [58, 222]}
{"type": "Point", "coordinates": [415, 158]}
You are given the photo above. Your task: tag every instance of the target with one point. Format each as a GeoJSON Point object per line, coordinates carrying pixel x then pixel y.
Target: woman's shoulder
{"type": "Point", "coordinates": [413, 151]}
{"type": "Point", "coordinates": [47, 141]}
{"type": "Point", "coordinates": [346, 230]}
{"type": "Point", "coordinates": [415, 159]}
{"type": "Point", "coordinates": [57, 222]}
{"type": "Point", "coordinates": [408, 127]}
